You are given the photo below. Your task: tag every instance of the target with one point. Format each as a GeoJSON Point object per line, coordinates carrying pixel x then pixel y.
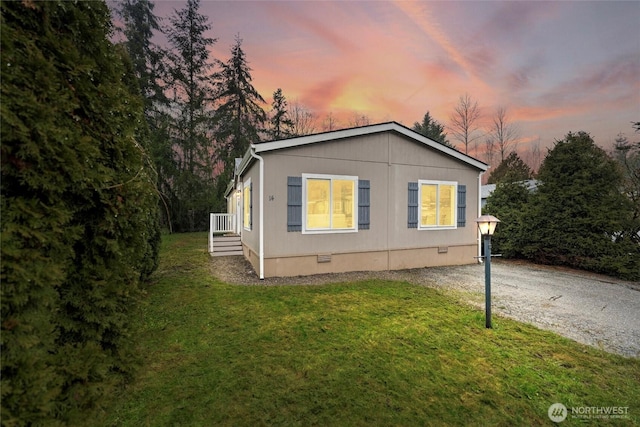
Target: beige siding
{"type": "Point", "coordinates": [389, 161]}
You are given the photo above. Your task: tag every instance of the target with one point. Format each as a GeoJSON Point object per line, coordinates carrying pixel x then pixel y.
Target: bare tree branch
{"type": "Point", "coordinates": [464, 121]}
{"type": "Point", "coordinates": [503, 132]}
{"type": "Point", "coordinates": [304, 121]}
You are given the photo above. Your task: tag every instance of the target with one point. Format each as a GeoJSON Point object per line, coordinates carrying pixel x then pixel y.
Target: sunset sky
{"type": "Point", "coordinates": [556, 66]}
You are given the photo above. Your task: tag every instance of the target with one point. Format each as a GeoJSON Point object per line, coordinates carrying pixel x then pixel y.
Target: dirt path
{"type": "Point", "coordinates": [591, 309]}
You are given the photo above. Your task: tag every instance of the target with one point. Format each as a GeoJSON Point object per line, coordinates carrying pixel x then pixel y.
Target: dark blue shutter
{"type": "Point", "coordinates": [250, 205]}
{"type": "Point", "coordinates": [294, 203]}
{"type": "Point", "coordinates": [413, 205]}
{"type": "Point", "coordinates": [364, 204]}
{"type": "Point", "coordinates": [462, 205]}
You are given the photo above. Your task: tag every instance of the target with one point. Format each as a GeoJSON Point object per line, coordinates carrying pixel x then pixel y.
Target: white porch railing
{"type": "Point", "coordinates": [220, 223]}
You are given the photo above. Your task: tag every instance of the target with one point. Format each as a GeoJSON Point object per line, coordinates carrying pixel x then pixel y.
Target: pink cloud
{"type": "Point", "coordinates": [422, 17]}
{"type": "Point", "coordinates": [306, 22]}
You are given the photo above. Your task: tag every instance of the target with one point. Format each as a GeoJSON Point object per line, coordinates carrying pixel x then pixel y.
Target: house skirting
{"type": "Point", "coordinates": [398, 259]}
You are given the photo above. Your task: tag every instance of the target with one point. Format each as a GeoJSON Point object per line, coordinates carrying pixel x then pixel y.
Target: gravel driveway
{"type": "Point", "coordinates": [591, 309]}
{"type": "Point", "coordinates": [596, 310]}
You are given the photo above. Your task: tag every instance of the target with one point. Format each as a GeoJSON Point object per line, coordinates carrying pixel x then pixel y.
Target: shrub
{"type": "Point", "coordinates": [507, 203]}
{"type": "Point", "coordinates": [579, 210]}
{"type": "Point", "coordinates": [79, 210]}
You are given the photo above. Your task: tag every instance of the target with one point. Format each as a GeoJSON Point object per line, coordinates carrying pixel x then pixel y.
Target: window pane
{"type": "Point", "coordinates": [343, 200]}
{"type": "Point", "coordinates": [447, 204]}
{"type": "Point", "coordinates": [318, 201]}
{"type": "Point", "coordinates": [428, 205]}
{"type": "Point", "coordinates": [247, 208]}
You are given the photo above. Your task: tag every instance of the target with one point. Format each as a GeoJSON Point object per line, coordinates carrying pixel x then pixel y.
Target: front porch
{"type": "Point", "coordinates": [224, 236]}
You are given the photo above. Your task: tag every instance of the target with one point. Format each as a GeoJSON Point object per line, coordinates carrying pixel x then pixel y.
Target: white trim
{"type": "Point", "coordinates": [246, 184]}
{"type": "Point", "coordinates": [261, 213]}
{"type": "Point", "coordinates": [237, 202]}
{"type": "Point", "coordinates": [422, 182]}
{"type": "Point", "coordinates": [330, 178]}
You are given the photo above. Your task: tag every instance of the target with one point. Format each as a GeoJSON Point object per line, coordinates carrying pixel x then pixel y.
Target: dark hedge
{"type": "Point", "coordinates": [79, 210]}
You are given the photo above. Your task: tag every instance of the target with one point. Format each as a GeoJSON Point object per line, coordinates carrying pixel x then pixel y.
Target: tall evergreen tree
{"type": "Point", "coordinates": [190, 191]}
{"type": "Point", "coordinates": [79, 210]}
{"type": "Point", "coordinates": [280, 125]}
{"type": "Point", "coordinates": [239, 118]}
{"type": "Point", "coordinates": [432, 129]}
{"type": "Point", "coordinates": [140, 26]}
{"type": "Point", "coordinates": [578, 212]}
{"type": "Point", "coordinates": [511, 169]}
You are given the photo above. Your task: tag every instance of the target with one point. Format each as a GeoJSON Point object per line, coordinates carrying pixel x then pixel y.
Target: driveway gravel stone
{"type": "Point", "coordinates": [596, 310]}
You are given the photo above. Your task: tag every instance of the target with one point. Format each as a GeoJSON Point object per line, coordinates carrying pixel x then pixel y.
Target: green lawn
{"type": "Point", "coordinates": [348, 354]}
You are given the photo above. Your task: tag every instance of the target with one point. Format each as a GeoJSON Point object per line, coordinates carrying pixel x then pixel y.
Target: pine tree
{"type": "Point", "coordinates": [432, 129]}
{"type": "Point", "coordinates": [578, 212]}
{"type": "Point", "coordinates": [511, 169]}
{"type": "Point", "coordinates": [281, 126]}
{"type": "Point", "coordinates": [239, 117]}
{"type": "Point", "coordinates": [189, 190]}
{"type": "Point", "coordinates": [140, 27]}
{"type": "Point", "coordinates": [79, 210]}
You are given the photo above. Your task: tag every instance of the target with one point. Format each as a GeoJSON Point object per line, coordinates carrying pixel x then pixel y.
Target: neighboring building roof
{"type": "Point", "coordinates": [486, 190]}
{"type": "Point", "coordinates": [359, 131]}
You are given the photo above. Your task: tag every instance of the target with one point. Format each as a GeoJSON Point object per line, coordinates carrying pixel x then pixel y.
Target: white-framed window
{"type": "Point", "coordinates": [437, 205]}
{"type": "Point", "coordinates": [329, 203]}
{"type": "Point", "coordinates": [247, 208]}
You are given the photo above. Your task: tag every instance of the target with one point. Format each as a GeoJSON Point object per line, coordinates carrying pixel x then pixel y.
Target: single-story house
{"type": "Point", "coordinates": [377, 197]}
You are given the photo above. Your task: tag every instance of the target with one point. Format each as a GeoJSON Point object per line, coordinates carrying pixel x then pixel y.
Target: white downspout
{"type": "Point", "coordinates": [479, 214]}
{"type": "Point", "coordinates": [261, 207]}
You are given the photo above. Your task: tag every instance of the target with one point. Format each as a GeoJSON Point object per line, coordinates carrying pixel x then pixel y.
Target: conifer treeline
{"type": "Point", "coordinates": [203, 112]}
{"type": "Point", "coordinates": [79, 210]}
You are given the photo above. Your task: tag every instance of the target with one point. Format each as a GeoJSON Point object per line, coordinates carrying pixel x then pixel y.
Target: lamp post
{"type": "Point", "coordinates": [487, 225]}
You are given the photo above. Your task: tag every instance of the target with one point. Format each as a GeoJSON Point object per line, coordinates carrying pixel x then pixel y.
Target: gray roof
{"type": "Point", "coordinates": [486, 190]}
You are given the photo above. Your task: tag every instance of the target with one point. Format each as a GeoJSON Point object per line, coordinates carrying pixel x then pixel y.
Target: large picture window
{"type": "Point", "coordinates": [437, 204]}
{"type": "Point", "coordinates": [329, 203]}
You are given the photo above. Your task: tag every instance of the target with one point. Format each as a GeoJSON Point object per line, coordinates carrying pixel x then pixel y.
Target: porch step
{"type": "Point", "coordinates": [226, 246]}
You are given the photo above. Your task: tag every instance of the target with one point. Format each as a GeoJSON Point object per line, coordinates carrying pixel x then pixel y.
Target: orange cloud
{"type": "Point", "coordinates": [322, 96]}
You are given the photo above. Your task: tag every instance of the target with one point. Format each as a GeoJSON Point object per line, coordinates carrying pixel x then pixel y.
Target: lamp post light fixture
{"type": "Point", "coordinates": [487, 225]}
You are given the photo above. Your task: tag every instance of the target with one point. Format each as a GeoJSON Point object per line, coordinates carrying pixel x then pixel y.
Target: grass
{"type": "Point", "coordinates": [348, 354]}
